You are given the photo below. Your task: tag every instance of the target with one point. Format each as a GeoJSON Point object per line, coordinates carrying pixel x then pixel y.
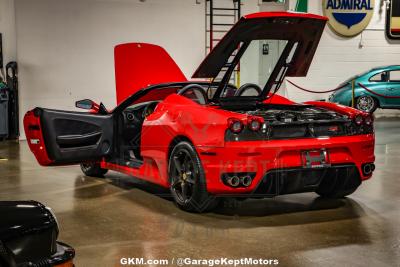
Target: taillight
{"type": "Point", "coordinates": [369, 120]}
{"type": "Point", "coordinates": [363, 124]}
{"type": "Point", "coordinates": [358, 120]}
{"type": "Point", "coordinates": [254, 124]}
{"type": "Point", "coordinates": [235, 125]}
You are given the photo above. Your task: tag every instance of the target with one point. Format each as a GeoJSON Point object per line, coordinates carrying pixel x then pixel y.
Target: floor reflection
{"type": "Point", "coordinates": [119, 216]}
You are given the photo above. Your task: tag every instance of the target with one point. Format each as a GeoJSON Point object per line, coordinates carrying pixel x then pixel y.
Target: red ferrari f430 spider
{"type": "Point", "coordinates": [207, 138]}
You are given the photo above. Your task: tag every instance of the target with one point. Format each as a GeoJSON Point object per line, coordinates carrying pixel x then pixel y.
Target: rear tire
{"type": "Point", "coordinates": [187, 180]}
{"type": "Point", "coordinates": [93, 169]}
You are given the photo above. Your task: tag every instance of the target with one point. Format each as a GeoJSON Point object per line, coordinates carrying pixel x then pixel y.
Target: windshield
{"type": "Point", "coordinates": [250, 75]}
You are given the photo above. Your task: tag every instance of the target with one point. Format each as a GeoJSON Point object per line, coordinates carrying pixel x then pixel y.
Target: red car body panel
{"type": "Point", "coordinates": [139, 65]}
{"type": "Point", "coordinates": [284, 15]}
{"type": "Point", "coordinates": [278, 100]}
{"type": "Point", "coordinates": [262, 156]}
{"type": "Point", "coordinates": [178, 118]}
{"type": "Point", "coordinates": [34, 136]}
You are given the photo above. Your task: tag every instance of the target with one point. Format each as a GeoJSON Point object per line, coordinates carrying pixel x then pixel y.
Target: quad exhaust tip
{"type": "Point", "coordinates": [246, 181]}
{"type": "Point", "coordinates": [233, 181]}
{"type": "Point", "coordinates": [238, 181]}
{"type": "Point", "coordinates": [368, 168]}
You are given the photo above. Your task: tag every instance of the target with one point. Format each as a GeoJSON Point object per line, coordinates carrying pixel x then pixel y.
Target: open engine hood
{"type": "Point", "coordinates": [305, 29]}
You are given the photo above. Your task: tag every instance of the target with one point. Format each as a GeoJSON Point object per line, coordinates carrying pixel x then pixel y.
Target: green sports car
{"type": "Point", "coordinates": [379, 87]}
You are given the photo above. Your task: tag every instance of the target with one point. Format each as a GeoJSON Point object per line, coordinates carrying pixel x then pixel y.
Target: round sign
{"type": "Point", "coordinates": [348, 17]}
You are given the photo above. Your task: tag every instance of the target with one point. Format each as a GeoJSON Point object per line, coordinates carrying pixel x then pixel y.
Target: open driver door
{"type": "Point", "coordinates": [59, 137]}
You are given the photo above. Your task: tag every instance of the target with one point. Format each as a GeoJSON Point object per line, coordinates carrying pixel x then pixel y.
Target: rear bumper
{"type": "Point", "coordinates": [264, 157]}
{"type": "Point", "coordinates": [300, 180]}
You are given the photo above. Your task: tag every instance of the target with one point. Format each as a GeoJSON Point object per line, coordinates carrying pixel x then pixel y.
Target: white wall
{"type": "Point", "coordinates": [7, 28]}
{"type": "Point", "coordinates": [65, 48]}
{"type": "Point", "coordinates": [337, 58]}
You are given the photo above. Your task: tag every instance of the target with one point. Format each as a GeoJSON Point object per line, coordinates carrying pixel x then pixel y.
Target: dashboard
{"type": "Point", "coordinates": [133, 117]}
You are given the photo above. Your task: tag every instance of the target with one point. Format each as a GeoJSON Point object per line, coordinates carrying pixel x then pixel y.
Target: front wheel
{"type": "Point", "coordinates": [93, 169]}
{"type": "Point", "coordinates": [187, 180]}
{"type": "Point", "coordinates": [366, 103]}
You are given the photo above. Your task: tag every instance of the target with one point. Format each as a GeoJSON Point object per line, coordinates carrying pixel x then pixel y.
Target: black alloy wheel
{"type": "Point", "coordinates": [187, 180]}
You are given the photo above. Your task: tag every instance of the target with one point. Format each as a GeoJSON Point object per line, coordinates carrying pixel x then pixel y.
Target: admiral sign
{"type": "Point", "coordinates": [348, 17]}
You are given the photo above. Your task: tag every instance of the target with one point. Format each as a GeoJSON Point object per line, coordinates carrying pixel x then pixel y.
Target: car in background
{"type": "Point", "coordinates": [383, 86]}
{"type": "Point", "coordinates": [28, 236]}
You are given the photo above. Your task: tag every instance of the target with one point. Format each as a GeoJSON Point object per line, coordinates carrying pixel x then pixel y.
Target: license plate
{"type": "Point", "coordinates": [315, 158]}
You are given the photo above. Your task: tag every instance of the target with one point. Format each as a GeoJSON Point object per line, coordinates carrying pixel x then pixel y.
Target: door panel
{"type": "Point", "coordinates": [393, 90]}
{"type": "Point", "coordinates": [70, 137]}
{"type": "Point", "coordinates": [379, 88]}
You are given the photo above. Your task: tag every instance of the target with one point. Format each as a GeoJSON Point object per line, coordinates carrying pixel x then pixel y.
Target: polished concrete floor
{"type": "Point", "coordinates": [106, 219]}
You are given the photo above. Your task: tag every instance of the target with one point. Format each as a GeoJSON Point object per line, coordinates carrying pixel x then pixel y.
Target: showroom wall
{"type": "Point", "coordinates": [7, 28]}
{"type": "Point", "coordinates": [65, 48]}
{"type": "Point", "coordinates": [338, 58]}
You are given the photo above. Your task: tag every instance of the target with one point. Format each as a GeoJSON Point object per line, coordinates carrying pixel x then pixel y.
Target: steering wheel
{"type": "Point", "coordinates": [194, 92]}
{"type": "Point", "coordinates": [248, 89]}
{"type": "Point", "coordinates": [149, 109]}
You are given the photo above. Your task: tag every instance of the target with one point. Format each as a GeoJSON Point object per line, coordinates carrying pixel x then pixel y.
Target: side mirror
{"type": "Point", "coordinates": [86, 104]}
